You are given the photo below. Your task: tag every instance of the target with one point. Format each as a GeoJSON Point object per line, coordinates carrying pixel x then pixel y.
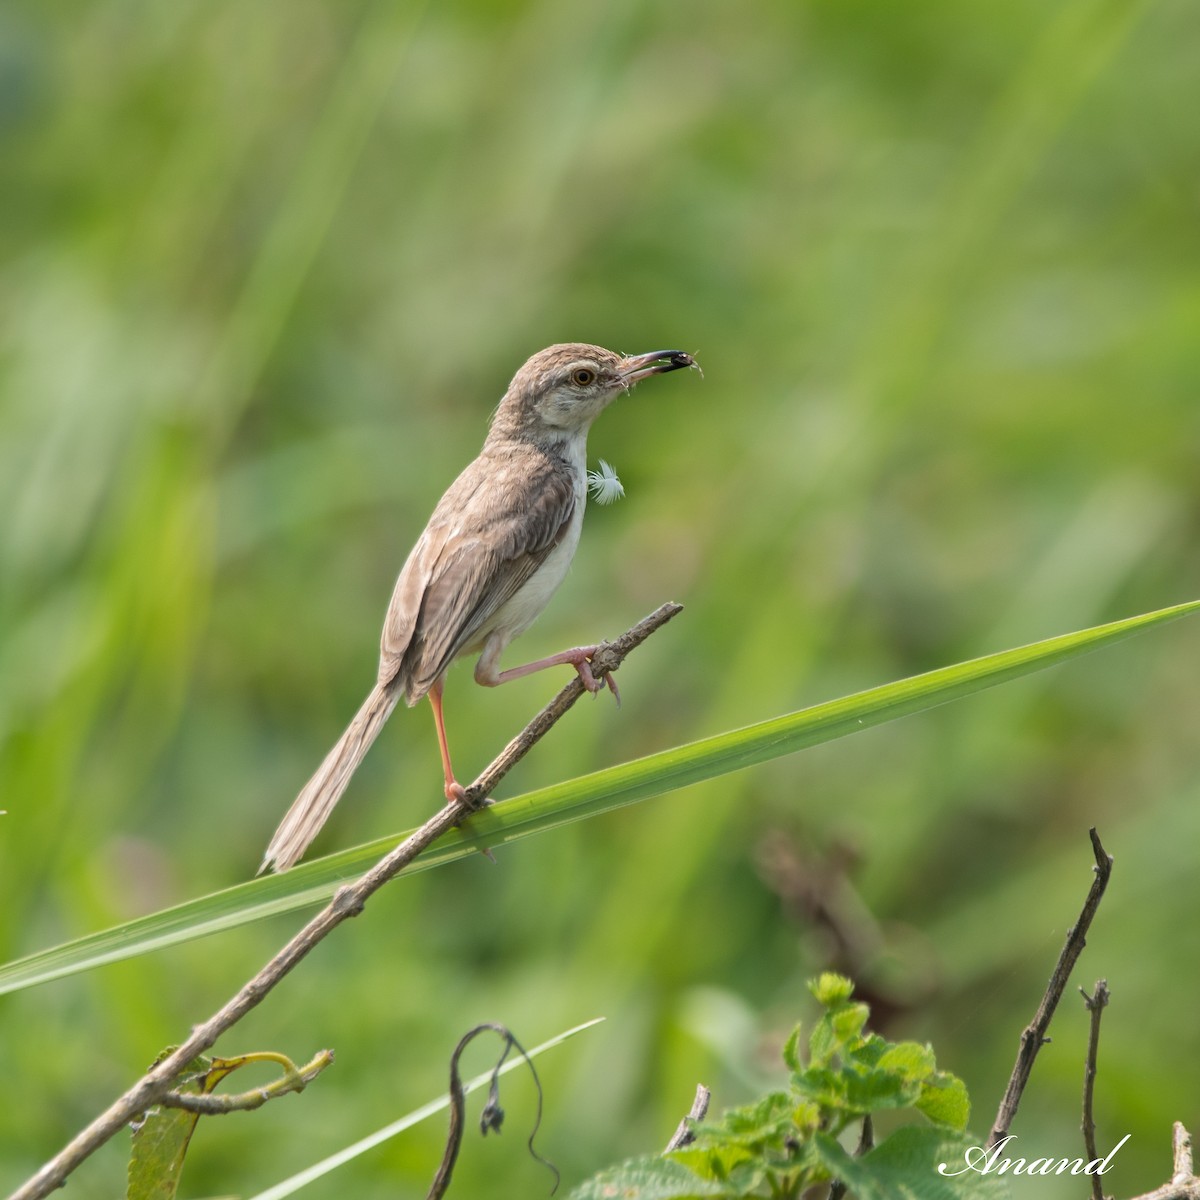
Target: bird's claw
{"type": "Point", "coordinates": [596, 685]}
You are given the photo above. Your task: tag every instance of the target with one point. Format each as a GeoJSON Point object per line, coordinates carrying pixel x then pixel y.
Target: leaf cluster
{"type": "Point", "coordinates": [788, 1140]}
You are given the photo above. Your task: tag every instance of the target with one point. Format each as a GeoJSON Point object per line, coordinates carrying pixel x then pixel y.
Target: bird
{"type": "Point", "coordinates": [495, 550]}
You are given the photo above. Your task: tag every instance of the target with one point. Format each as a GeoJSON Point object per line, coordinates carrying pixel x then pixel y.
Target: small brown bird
{"type": "Point", "coordinates": [495, 550]}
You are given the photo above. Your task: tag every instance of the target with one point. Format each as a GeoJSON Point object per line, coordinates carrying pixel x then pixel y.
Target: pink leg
{"type": "Point", "coordinates": [578, 657]}
{"type": "Point", "coordinates": [454, 789]}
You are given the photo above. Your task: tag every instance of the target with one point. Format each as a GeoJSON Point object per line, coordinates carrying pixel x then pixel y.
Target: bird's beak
{"type": "Point", "coordinates": [657, 362]}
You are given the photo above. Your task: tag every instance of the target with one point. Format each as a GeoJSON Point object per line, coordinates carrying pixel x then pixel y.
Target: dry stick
{"type": "Point", "coordinates": [1183, 1185]}
{"type": "Point", "coordinates": [684, 1134]}
{"type": "Point", "coordinates": [1181, 1146]}
{"type": "Point", "coordinates": [1034, 1036]}
{"type": "Point", "coordinates": [347, 901]}
{"type": "Point", "coordinates": [1096, 1004]}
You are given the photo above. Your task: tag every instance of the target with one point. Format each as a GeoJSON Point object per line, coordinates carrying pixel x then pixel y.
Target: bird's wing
{"type": "Point", "coordinates": [482, 544]}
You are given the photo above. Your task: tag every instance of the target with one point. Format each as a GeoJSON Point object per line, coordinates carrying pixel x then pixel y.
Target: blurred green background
{"type": "Point", "coordinates": [267, 269]}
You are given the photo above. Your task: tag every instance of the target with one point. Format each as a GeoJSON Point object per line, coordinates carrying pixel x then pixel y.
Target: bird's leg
{"type": "Point", "coordinates": [579, 657]}
{"type": "Point", "coordinates": [454, 790]}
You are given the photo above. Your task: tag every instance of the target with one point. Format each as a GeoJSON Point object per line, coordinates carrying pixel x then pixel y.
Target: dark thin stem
{"type": "Point", "coordinates": [1183, 1185]}
{"type": "Point", "coordinates": [348, 901]}
{"type": "Point", "coordinates": [1096, 1003]}
{"type": "Point", "coordinates": [1034, 1035]}
{"type": "Point", "coordinates": [492, 1116]}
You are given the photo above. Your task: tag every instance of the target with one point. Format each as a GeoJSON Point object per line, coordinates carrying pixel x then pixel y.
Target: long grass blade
{"type": "Point", "coordinates": [575, 800]}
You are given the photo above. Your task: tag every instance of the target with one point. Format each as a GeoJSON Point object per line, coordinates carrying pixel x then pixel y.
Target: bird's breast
{"type": "Point", "coordinates": [526, 604]}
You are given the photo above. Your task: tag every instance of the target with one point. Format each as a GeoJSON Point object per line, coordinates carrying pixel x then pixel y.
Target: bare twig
{"type": "Point", "coordinates": [492, 1116]}
{"type": "Point", "coordinates": [1181, 1146]}
{"type": "Point", "coordinates": [348, 901]}
{"type": "Point", "coordinates": [1184, 1185]}
{"type": "Point", "coordinates": [1096, 1003]}
{"type": "Point", "coordinates": [684, 1134]}
{"type": "Point", "coordinates": [1034, 1035]}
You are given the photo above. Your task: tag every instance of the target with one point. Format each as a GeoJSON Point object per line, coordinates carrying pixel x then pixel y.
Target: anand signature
{"type": "Point", "coordinates": [987, 1160]}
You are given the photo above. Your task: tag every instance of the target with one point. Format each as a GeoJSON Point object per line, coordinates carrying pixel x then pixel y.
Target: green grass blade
{"type": "Point", "coordinates": [294, 1183]}
{"type": "Point", "coordinates": [563, 803]}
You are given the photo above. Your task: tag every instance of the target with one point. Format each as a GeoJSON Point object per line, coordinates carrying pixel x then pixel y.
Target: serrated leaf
{"type": "Point", "coordinates": [823, 1044]}
{"type": "Point", "coordinates": [713, 1160]}
{"type": "Point", "coordinates": [791, 1049]}
{"type": "Point", "coordinates": [944, 1099]}
{"type": "Point", "coordinates": [870, 1050]}
{"type": "Point", "coordinates": [848, 1021]}
{"type": "Point", "coordinates": [821, 1086]}
{"type": "Point", "coordinates": [651, 1178]}
{"type": "Point", "coordinates": [905, 1167]}
{"type": "Point", "coordinates": [836, 1033]}
{"type": "Point", "coordinates": [806, 1117]}
{"type": "Point", "coordinates": [911, 1060]}
{"type": "Point", "coordinates": [870, 1091]}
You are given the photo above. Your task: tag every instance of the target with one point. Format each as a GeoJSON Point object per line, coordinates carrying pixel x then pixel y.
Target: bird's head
{"type": "Point", "coordinates": [563, 389]}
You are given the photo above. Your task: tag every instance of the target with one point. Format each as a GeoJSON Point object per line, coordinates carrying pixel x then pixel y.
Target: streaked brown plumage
{"type": "Point", "coordinates": [495, 550]}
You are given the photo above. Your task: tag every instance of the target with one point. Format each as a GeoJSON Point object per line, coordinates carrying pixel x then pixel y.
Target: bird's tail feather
{"type": "Point", "coordinates": [310, 810]}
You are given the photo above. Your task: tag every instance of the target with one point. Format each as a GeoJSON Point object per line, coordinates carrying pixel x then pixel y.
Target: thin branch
{"type": "Point", "coordinates": [1034, 1035]}
{"type": "Point", "coordinates": [684, 1134]}
{"type": "Point", "coordinates": [1181, 1146]}
{"type": "Point", "coordinates": [348, 901]}
{"type": "Point", "coordinates": [1184, 1185]}
{"type": "Point", "coordinates": [1096, 1004]}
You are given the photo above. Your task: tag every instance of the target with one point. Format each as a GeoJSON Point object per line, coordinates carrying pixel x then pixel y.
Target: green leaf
{"type": "Point", "coordinates": [651, 1178]}
{"type": "Point", "coordinates": [791, 1050]}
{"type": "Point", "coordinates": [161, 1141]}
{"type": "Point", "coordinates": [905, 1167]}
{"type": "Point", "coordinates": [910, 1060]}
{"type": "Point", "coordinates": [837, 1032]}
{"type": "Point", "coordinates": [847, 1023]}
{"type": "Point", "coordinates": [944, 1099]}
{"type": "Point", "coordinates": [575, 800]}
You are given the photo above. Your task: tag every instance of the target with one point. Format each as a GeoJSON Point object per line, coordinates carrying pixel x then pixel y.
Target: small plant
{"type": "Point", "coordinates": [788, 1141]}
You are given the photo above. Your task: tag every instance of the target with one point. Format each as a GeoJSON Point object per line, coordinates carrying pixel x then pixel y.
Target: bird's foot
{"type": "Point", "coordinates": [588, 677]}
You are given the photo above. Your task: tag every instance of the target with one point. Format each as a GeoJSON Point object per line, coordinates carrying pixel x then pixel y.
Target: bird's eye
{"type": "Point", "coordinates": [583, 376]}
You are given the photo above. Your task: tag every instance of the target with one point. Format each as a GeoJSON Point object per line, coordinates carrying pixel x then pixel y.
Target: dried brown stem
{"type": "Point", "coordinates": [683, 1134]}
{"type": "Point", "coordinates": [1096, 1004]}
{"type": "Point", "coordinates": [1034, 1035]}
{"type": "Point", "coordinates": [348, 901]}
{"type": "Point", "coordinates": [1183, 1185]}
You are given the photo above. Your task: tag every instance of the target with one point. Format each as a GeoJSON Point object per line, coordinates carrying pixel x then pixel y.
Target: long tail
{"type": "Point", "coordinates": [310, 810]}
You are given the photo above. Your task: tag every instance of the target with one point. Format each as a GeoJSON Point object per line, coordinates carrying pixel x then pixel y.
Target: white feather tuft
{"type": "Point", "coordinates": [604, 484]}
